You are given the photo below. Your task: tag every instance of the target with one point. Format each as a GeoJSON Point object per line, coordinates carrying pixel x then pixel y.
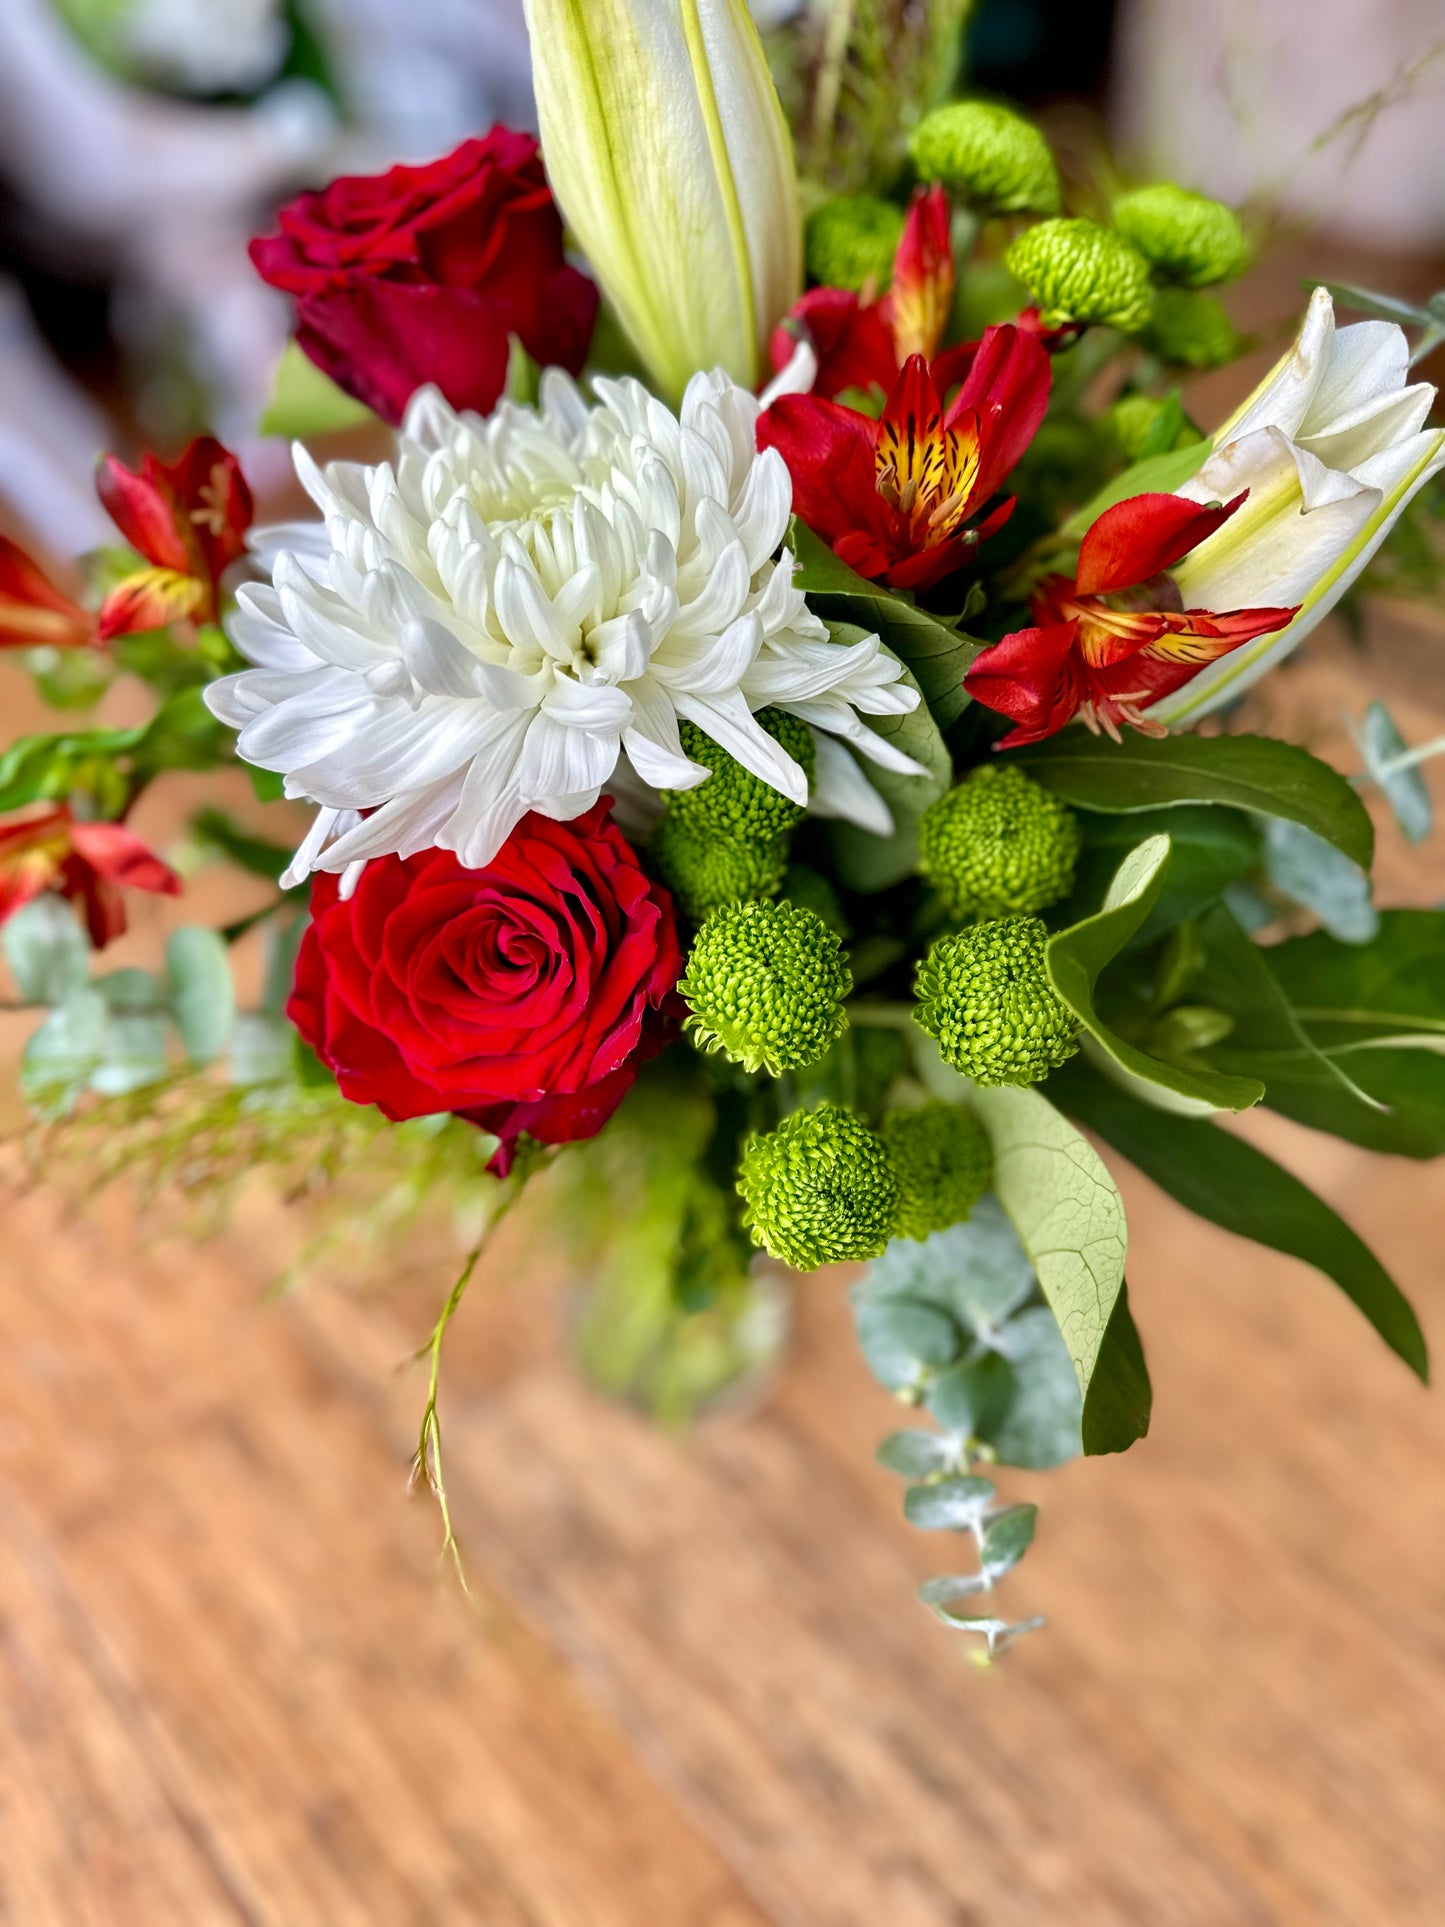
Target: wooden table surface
{"type": "Point", "coordinates": [691, 1686]}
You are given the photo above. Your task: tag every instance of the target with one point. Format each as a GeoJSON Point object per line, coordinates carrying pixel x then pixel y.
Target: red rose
{"type": "Point", "coordinates": [420, 275]}
{"type": "Point", "coordinates": [523, 996]}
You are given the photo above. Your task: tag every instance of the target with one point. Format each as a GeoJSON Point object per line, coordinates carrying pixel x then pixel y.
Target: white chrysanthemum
{"type": "Point", "coordinates": [489, 626]}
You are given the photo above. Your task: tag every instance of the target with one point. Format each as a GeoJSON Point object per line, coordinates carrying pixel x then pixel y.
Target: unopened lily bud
{"type": "Point", "coordinates": [851, 242]}
{"type": "Point", "coordinates": [668, 153]}
{"type": "Point", "coordinates": [1191, 330]}
{"type": "Point", "coordinates": [1186, 237]}
{"type": "Point", "coordinates": [995, 160]}
{"type": "Point", "coordinates": [1076, 270]}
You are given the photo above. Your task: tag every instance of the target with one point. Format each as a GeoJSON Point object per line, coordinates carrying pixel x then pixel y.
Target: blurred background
{"type": "Point", "coordinates": [688, 1683]}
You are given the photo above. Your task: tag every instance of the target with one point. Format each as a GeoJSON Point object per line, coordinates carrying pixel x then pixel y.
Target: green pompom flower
{"type": "Point", "coordinates": [1078, 271]}
{"type": "Point", "coordinates": [943, 1162]}
{"type": "Point", "coordinates": [705, 868]}
{"type": "Point", "coordinates": [999, 844]}
{"type": "Point", "coordinates": [985, 996]}
{"type": "Point", "coordinates": [851, 242]}
{"type": "Point", "coordinates": [994, 159]}
{"type": "Point", "coordinates": [1187, 237]}
{"type": "Point", "coordinates": [1190, 330]}
{"type": "Point", "coordinates": [766, 983]}
{"type": "Point", "coordinates": [819, 1190]}
{"type": "Point", "coordinates": [733, 802]}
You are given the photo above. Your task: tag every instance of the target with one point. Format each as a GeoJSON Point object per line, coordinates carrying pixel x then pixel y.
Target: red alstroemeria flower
{"type": "Point", "coordinates": [863, 342]}
{"type": "Point", "coordinates": [1115, 637]}
{"type": "Point", "coordinates": [35, 614]}
{"type": "Point", "coordinates": [91, 863]}
{"type": "Point", "coordinates": [188, 518]}
{"type": "Point", "coordinates": [895, 497]}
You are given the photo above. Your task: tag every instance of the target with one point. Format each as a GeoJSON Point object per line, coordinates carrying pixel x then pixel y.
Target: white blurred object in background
{"type": "Point", "coordinates": [1237, 97]}
{"type": "Point", "coordinates": [206, 46]}
{"type": "Point", "coordinates": [50, 439]}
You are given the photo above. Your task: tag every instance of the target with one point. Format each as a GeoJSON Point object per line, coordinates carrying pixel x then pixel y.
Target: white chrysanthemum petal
{"type": "Point", "coordinates": [485, 625]}
{"type": "Point", "coordinates": [840, 789]}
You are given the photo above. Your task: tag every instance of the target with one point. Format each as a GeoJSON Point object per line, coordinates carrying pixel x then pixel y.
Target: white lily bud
{"type": "Point", "coordinates": [667, 150]}
{"type": "Point", "coordinates": [1331, 446]}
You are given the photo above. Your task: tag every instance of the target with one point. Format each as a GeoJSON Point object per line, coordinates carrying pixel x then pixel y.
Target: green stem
{"type": "Point", "coordinates": [878, 1016]}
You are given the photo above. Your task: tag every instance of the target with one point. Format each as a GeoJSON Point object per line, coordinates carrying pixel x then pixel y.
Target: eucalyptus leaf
{"type": "Point", "coordinates": [918, 1455]}
{"type": "Point", "coordinates": [47, 950]}
{"type": "Point", "coordinates": [262, 1050]}
{"type": "Point", "coordinates": [1076, 958]}
{"type": "Point", "coordinates": [869, 863]}
{"type": "Point", "coordinates": [949, 1505]}
{"type": "Point", "coordinates": [978, 1272]}
{"type": "Point", "coordinates": [1229, 1182]}
{"type": "Point", "coordinates": [905, 1342]}
{"type": "Point", "coordinates": [133, 992]}
{"type": "Point", "coordinates": [1256, 773]}
{"type": "Point", "coordinates": [935, 652]}
{"type": "Point", "coordinates": [1313, 873]}
{"type": "Point", "coordinates": [1070, 1220]}
{"type": "Point", "coordinates": [1007, 1538]}
{"type": "Point", "coordinates": [998, 1634]}
{"type": "Point", "coordinates": [952, 1586]}
{"type": "Point", "coordinates": [203, 997]}
{"type": "Point", "coordinates": [62, 1056]}
{"type": "Point", "coordinates": [973, 1397]}
{"type": "Point", "coordinates": [1042, 1425]}
{"type": "Point", "coordinates": [133, 1053]}
{"type": "Point", "coordinates": [1405, 790]}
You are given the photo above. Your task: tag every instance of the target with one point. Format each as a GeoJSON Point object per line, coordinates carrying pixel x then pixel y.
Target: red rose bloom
{"type": "Point", "coordinates": [522, 996]}
{"type": "Point", "coordinates": [420, 275]}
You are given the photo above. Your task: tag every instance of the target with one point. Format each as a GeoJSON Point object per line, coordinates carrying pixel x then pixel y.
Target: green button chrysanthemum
{"type": "Point", "coordinates": [765, 984]}
{"type": "Point", "coordinates": [819, 1190]}
{"type": "Point", "coordinates": [985, 996]}
{"type": "Point", "coordinates": [733, 801]}
{"type": "Point", "coordinates": [1186, 237]}
{"type": "Point", "coordinates": [994, 159]}
{"type": "Point", "coordinates": [943, 1162]}
{"type": "Point", "coordinates": [705, 868]}
{"type": "Point", "coordinates": [1078, 271]}
{"type": "Point", "coordinates": [999, 844]}
{"type": "Point", "coordinates": [851, 242]}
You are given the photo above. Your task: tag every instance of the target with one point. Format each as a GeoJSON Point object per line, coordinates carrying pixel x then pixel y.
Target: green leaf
{"type": "Point", "coordinates": [935, 653]}
{"type": "Point", "coordinates": [1076, 957]}
{"type": "Point", "coordinates": [1221, 1178]}
{"type": "Point", "coordinates": [917, 1455]}
{"type": "Point", "coordinates": [1154, 475]}
{"type": "Point", "coordinates": [1247, 772]}
{"type": "Point", "coordinates": [1070, 1220]}
{"type": "Point", "coordinates": [905, 1343]}
{"type": "Point", "coordinates": [1313, 873]}
{"type": "Point", "coordinates": [1120, 1399]}
{"type": "Point", "coordinates": [47, 950]}
{"type": "Point", "coordinates": [977, 1272]}
{"type": "Point", "coordinates": [305, 402]}
{"type": "Point", "coordinates": [254, 854]}
{"type": "Point", "coordinates": [262, 1050]}
{"type": "Point", "coordinates": [203, 997]}
{"type": "Point", "coordinates": [1213, 848]}
{"type": "Point", "coordinates": [1043, 1424]}
{"type": "Point", "coordinates": [268, 784]}
{"type": "Point", "coordinates": [940, 1593]}
{"type": "Point", "coordinates": [133, 1053]}
{"type": "Point", "coordinates": [948, 1505]}
{"type": "Point", "coordinates": [1349, 1038]}
{"type": "Point", "coordinates": [1008, 1537]}
{"type": "Point", "coordinates": [868, 863]}
{"type": "Point", "coordinates": [132, 992]}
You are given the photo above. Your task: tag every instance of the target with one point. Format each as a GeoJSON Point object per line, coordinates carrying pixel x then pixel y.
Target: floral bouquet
{"type": "Point", "coordinates": [770, 726]}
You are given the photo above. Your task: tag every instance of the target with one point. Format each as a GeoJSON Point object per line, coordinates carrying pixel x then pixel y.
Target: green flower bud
{"type": "Point", "coordinates": [999, 844]}
{"type": "Point", "coordinates": [851, 242]}
{"type": "Point", "coordinates": [819, 1190]}
{"type": "Point", "coordinates": [705, 868]}
{"type": "Point", "coordinates": [985, 996]}
{"type": "Point", "coordinates": [943, 1162]}
{"type": "Point", "coordinates": [766, 983]}
{"type": "Point", "coordinates": [1187, 237]}
{"type": "Point", "coordinates": [1191, 330]}
{"type": "Point", "coordinates": [994, 159]}
{"type": "Point", "coordinates": [733, 802]}
{"type": "Point", "coordinates": [1131, 420]}
{"type": "Point", "coordinates": [1079, 271]}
